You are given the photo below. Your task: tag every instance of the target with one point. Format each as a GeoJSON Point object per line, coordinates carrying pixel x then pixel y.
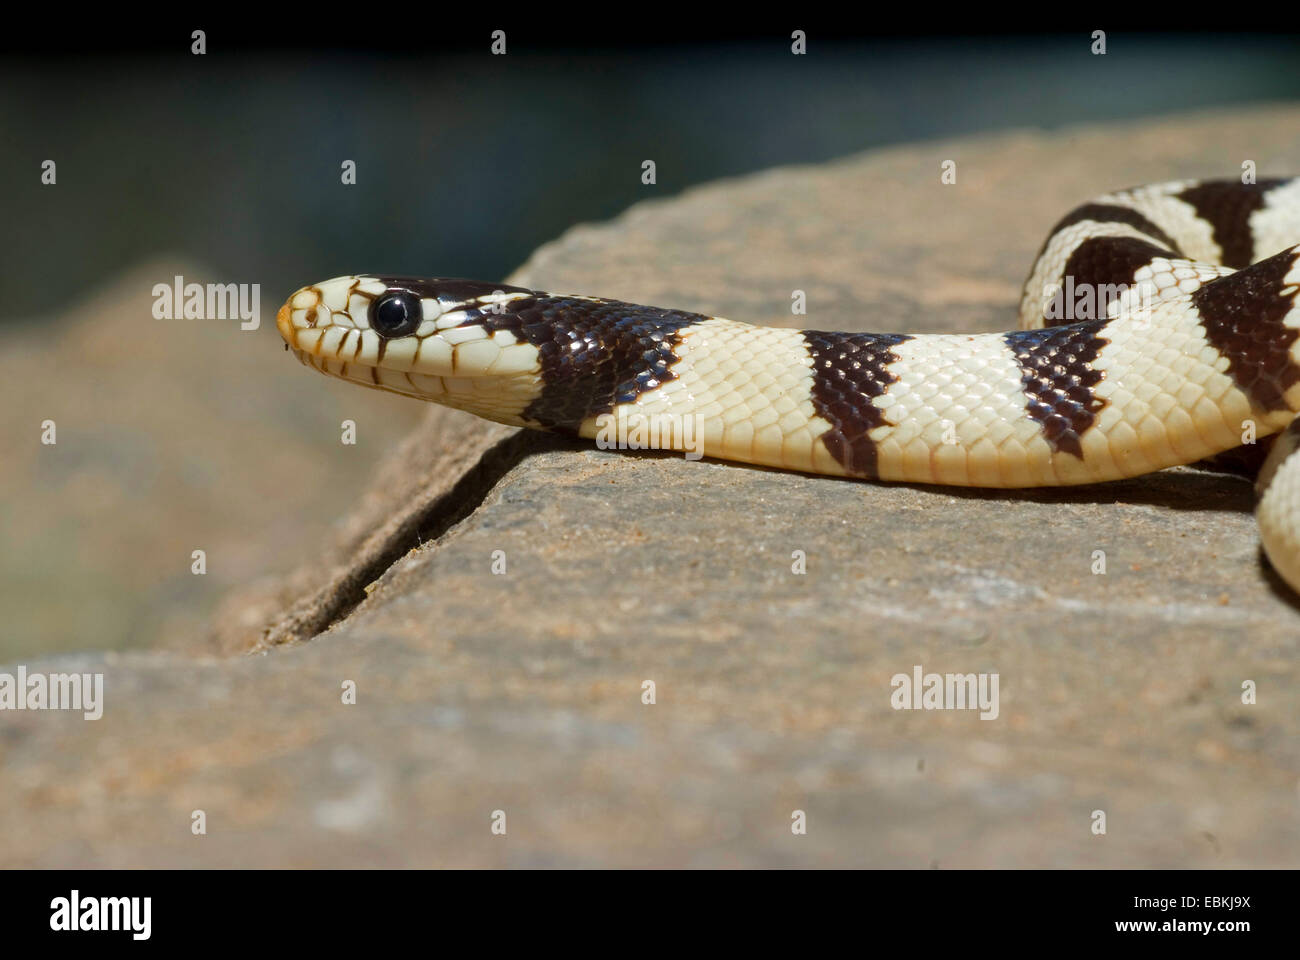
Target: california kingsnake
{"type": "Point", "coordinates": [1159, 327]}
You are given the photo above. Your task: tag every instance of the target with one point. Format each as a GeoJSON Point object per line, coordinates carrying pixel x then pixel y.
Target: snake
{"type": "Point", "coordinates": [1158, 327]}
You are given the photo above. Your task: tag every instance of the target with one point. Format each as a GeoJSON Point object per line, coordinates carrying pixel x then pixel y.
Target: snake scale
{"type": "Point", "coordinates": [1158, 328]}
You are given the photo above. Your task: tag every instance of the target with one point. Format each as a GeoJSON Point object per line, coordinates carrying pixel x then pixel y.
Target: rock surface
{"type": "Point", "coordinates": [172, 436]}
{"type": "Point", "coordinates": [522, 690]}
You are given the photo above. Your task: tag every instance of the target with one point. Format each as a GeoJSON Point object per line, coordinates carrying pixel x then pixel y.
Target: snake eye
{"type": "Point", "coordinates": [396, 314]}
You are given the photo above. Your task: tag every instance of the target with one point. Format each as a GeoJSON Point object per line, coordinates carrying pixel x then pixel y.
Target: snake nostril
{"type": "Point", "coordinates": [396, 313]}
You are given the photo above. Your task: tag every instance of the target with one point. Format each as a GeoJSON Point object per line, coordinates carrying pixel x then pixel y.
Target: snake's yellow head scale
{"type": "Point", "coordinates": [441, 340]}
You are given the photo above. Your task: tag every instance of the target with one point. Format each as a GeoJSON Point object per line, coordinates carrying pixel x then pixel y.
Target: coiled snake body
{"type": "Point", "coordinates": [1159, 327]}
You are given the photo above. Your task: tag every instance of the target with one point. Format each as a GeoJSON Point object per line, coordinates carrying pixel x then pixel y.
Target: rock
{"type": "Point", "coordinates": [522, 690]}
{"type": "Point", "coordinates": [173, 435]}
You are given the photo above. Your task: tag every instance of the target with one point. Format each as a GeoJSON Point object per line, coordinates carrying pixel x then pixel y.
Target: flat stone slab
{"type": "Point", "coordinates": [503, 623]}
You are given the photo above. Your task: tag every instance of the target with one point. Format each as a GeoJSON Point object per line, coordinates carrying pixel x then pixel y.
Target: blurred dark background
{"type": "Point", "coordinates": [467, 162]}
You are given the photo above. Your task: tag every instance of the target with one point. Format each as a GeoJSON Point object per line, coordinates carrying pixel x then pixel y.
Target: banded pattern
{"type": "Point", "coordinates": [1159, 327]}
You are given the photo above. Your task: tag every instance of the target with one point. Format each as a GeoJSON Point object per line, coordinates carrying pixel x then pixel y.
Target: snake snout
{"type": "Point", "coordinates": [284, 323]}
{"type": "Point", "coordinates": [306, 309]}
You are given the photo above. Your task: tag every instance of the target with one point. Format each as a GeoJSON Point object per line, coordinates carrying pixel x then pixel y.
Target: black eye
{"type": "Point", "coordinates": [395, 313]}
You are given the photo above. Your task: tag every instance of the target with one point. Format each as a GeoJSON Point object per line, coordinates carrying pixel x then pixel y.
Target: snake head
{"type": "Point", "coordinates": [436, 339]}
